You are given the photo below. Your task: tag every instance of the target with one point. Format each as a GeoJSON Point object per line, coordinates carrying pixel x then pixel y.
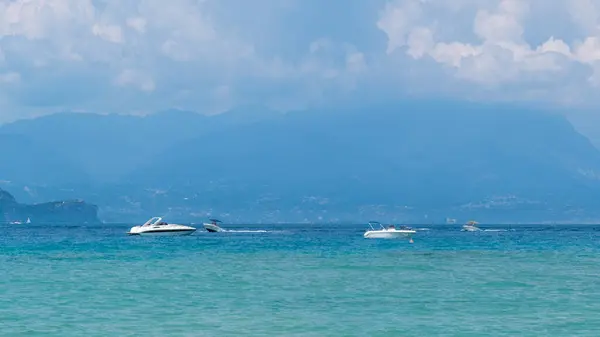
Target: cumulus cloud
{"type": "Point", "coordinates": [210, 55]}
{"type": "Point", "coordinates": [132, 77]}
{"type": "Point", "coordinates": [147, 55]}
{"type": "Point", "coordinates": [495, 48]}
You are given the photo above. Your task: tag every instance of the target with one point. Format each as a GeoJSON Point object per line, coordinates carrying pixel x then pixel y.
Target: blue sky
{"type": "Point", "coordinates": [141, 56]}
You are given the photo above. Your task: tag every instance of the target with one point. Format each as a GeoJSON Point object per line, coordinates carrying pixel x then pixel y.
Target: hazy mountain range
{"type": "Point", "coordinates": [67, 211]}
{"type": "Point", "coordinates": [415, 161]}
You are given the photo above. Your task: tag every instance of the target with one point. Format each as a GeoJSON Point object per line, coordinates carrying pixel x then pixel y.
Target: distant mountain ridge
{"type": "Point", "coordinates": [411, 160]}
{"type": "Point", "coordinates": [106, 147]}
{"type": "Point", "coordinates": [68, 211]}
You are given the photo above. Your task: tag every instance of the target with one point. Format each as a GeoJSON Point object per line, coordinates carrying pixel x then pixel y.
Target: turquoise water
{"type": "Point", "coordinates": [299, 281]}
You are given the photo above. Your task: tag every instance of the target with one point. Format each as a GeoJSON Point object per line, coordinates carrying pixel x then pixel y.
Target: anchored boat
{"type": "Point", "coordinates": [391, 232]}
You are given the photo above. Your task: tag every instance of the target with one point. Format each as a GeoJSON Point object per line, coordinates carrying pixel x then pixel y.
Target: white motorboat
{"type": "Point", "coordinates": [391, 232]}
{"type": "Point", "coordinates": [471, 226]}
{"type": "Point", "coordinates": [19, 222]}
{"type": "Point", "coordinates": [213, 226]}
{"type": "Point", "coordinates": [156, 226]}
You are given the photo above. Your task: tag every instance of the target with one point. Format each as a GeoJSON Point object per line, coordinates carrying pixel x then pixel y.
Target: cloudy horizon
{"type": "Point", "coordinates": [209, 56]}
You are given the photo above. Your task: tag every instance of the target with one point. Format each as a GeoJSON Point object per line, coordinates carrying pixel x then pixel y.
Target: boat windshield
{"type": "Point", "coordinates": [153, 221]}
{"type": "Point", "coordinates": [376, 226]}
{"type": "Point", "coordinates": [373, 224]}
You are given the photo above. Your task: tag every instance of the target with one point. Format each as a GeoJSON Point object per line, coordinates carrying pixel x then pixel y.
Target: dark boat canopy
{"type": "Point", "coordinates": [214, 220]}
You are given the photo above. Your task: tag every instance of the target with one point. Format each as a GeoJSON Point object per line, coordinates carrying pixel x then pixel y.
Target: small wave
{"type": "Point", "coordinates": [495, 230]}
{"type": "Point", "coordinates": [246, 231]}
{"type": "Point", "coordinates": [423, 229]}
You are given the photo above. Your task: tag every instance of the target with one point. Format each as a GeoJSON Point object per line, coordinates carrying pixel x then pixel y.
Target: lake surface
{"type": "Point", "coordinates": [292, 280]}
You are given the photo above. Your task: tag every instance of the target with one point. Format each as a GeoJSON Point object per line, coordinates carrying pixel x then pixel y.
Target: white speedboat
{"type": "Point", "coordinates": [471, 226]}
{"type": "Point", "coordinates": [19, 222]}
{"type": "Point", "coordinates": [156, 226]}
{"type": "Point", "coordinates": [391, 232]}
{"type": "Point", "coordinates": [213, 226]}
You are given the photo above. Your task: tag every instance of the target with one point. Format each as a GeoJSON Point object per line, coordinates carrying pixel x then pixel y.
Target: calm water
{"type": "Point", "coordinates": [299, 281]}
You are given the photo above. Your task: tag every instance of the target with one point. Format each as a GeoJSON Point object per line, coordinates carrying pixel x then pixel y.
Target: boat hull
{"type": "Point", "coordinates": [161, 231]}
{"type": "Point", "coordinates": [471, 229]}
{"type": "Point", "coordinates": [166, 233]}
{"type": "Point", "coordinates": [388, 234]}
{"type": "Point", "coordinates": [213, 228]}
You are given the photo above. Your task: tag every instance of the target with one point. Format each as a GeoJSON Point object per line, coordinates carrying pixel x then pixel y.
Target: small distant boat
{"type": "Point", "coordinates": [471, 226]}
{"type": "Point", "coordinates": [19, 222]}
{"type": "Point", "coordinates": [156, 226]}
{"type": "Point", "coordinates": [391, 232]}
{"type": "Point", "coordinates": [213, 226]}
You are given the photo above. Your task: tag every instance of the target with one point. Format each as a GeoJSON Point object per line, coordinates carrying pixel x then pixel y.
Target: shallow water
{"type": "Point", "coordinates": [299, 281]}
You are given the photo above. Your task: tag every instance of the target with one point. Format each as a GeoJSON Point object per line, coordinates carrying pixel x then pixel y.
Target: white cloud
{"type": "Point", "coordinates": [502, 42]}
{"type": "Point", "coordinates": [355, 62]}
{"type": "Point", "coordinates": [585, 14]}
{"type": "Point", "coordinates": [208, 54]}
{"type": "Point", "coordinates": [131, 77]}
{"type": "Point", "coordinates": [397, 21]}
{"type": "Point", "coordinates": [137, 23]}
{"type": "Point", "coordinates": [110, 33]}
{"type": "Point", "coordinates": [502, 25]}
{"type": "Point", "coordinates": [41, 19]}
{"type": "Point", "coordinates": [183, 51]}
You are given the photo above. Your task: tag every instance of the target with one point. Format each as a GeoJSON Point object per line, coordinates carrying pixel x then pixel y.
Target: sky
{"type": "Point", "coordinates": [140, 56]}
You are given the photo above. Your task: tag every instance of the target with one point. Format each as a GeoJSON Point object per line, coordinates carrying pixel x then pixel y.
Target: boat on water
{"type": "Point", "coordinates": [471, 226]}
{"type": "Point", "coordinates": [213, 226]}
{"type": "Point", "coordinates": [19, 222]}
{"type": "Point", "coordinates": [156, 226]}
{"type": "Point", "coordinates": [391, 232]}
